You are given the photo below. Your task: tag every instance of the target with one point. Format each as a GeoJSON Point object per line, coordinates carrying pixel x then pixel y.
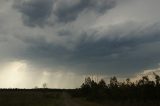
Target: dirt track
{"type": "Point", "coordinates": [68, 101]}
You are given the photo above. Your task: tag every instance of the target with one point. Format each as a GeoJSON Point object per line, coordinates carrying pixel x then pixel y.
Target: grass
{"type": "Point", "coordinates": [29, 99]}
{"type": "Point", "coordinates": [32, 98]}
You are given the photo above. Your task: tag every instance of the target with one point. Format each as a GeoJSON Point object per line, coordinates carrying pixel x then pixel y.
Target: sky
{"type": "Point", "coordinates": [60, 42]}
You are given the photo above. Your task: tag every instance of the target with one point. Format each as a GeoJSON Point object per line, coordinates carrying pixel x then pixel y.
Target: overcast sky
{"type": "Point", "coordinates": [62, 41]}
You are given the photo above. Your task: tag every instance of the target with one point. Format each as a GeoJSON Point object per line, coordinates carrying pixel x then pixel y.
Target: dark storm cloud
{"type": "Point", "coordinates": [35, 12]}
{"type": "Point", "coordinates": [132, 53]}
{"type": "Point", "coordinates": [71, 12]}
{"type": "Point", "coordinates": [38, 12]}
{"type": "Point", "coordinates": [51, 38]}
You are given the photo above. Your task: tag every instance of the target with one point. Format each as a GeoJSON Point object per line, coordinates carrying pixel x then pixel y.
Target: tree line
{"type": "Point", "coordinates": [143, 89]}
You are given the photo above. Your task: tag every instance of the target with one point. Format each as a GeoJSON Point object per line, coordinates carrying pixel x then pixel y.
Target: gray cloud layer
{"type": "Point", "coordinates": [35, 12]}
{"type": "Point", "coordinates": [38, 12]}
{"type": "Point", "coordinates": [82, 36]}
{"type": "Point", "coordinates": [131, 53]}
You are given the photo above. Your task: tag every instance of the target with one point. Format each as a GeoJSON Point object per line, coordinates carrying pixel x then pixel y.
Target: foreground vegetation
{"type": "Point", "coordinates": [9, 97]}
{"type": "Point", "coordinates": [141, 93]}
{"type": "Point", "coordinates": [142, 90]}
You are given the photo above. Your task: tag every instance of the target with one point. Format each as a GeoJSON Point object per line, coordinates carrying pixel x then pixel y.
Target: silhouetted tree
{"type": "Point", "coordinates": [44, 85]}
{"type": "Point", "coordinates": [157, 78]}
{"type": "Point", "coordinates": [143, 89]}
{"type": "Point", "coordinates": [128, 81]}
{"type": "Point", "coordinates": [102, 84]}
{"type": "Point", "coordinates": [113, 82]}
